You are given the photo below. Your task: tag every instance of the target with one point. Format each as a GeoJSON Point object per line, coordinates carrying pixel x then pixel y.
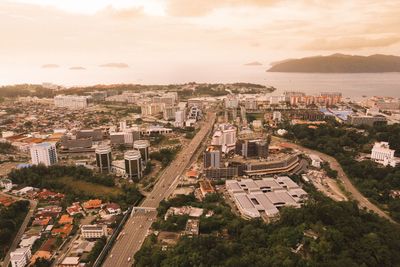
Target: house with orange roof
{"type": "Point", "coordinates": [42, 221]}
{"type": "Point", "coordinates": [40, 254]}
{"type": "Point", "coordinates": [6, 201]}
{"type": "Point", "coordinates": [206, 187]}
{"type": "Point", "coordinates": [192, 174]}
{"type": "Point", "coordinates": [62, 231]}
{"type": "Point", "coordinates": [75, 208]}
{"type": "Point", "coordinates": [66, 219]}
{"type": "Point", "coordinates": [92, 204]}
{"type": "Point", "coordinates": [47, 194]}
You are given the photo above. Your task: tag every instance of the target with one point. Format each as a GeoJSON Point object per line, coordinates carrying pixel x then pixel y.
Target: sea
{"type": "Point", "coordinates": [353, 86]}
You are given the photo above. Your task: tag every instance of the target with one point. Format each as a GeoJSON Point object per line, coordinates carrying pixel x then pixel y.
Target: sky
{"type": "Point", "coordinates": [75, 42]}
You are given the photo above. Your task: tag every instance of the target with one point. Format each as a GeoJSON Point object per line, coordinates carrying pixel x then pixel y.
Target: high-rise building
{"type": "Point", "coordinates": [130, 135]}
{"type": "Point", "coordinates": [169, 112]}
{"type": "Point", "coordinates": [212, 157]}
{"type": "Point", "coordinates": [225, 136]}
{"type": "Point", "coordinates": [133, 165]}
{"type": "Point", "coordinates": [72, 101]}
{"type": "Point", "coordinates": [168, 99]}
{"type": "Point", "coordinates": [44, 153]}
{"type": "Point", "coordinates": [277, 116]}
{"type": "Point", "coordinates": [151, 109]}
{"type": "Point", "coordinates": [103, 158]}
{"type": "Point", "coordinates": [180, 118]}
{"type": "Point", "coordinates": [122, 126]}
{"type": "Point", "coordinates": [256, 148]}
{"type": "Point", "coordinates": [143, 147]}
{"type": "Point", "coordinates": [195, 113]}
{"type": "Point", "coordinates": [231, 101]}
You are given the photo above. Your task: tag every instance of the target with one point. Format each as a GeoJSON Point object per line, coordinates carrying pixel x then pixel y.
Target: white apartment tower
{"type": "Point", "coordinates": [180, 118]}
{"type": "Point", "coordinates": [72, 101]}
{"type": "Point", "coordinates": [225, 136]}
{"type": "Point", "coordinates": [44, 153]}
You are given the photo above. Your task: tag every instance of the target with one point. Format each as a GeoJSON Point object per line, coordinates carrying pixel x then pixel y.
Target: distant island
{"type": "Point", "coordinates": [50, 66]}
{"type": "Point", "coordinates": [77, 68]}
{"type": "Point", "coordinates": [339, 63]}
{"type": "Point", "coordinates": [254, 63]}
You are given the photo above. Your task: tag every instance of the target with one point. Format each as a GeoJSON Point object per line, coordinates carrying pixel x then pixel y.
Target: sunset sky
{"type": "Point", "coordinates": [109, 41]}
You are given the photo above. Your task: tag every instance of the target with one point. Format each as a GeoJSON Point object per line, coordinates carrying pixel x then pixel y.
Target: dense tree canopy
{"type": "Point", "coordinates": [54, 177]}
{"type": "Point", "coordinates": [11, 218]}
{"type": "Point", "coordinates": [373, 180]}
{"type": "Point", "coordinates": [341, 235]}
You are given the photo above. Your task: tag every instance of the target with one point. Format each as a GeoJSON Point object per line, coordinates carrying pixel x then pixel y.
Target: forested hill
{"type": "Point", "coordinates": [339, 63]}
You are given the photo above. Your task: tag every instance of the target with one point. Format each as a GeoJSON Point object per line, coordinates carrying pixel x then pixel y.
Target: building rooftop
{"type": "Point", "coordinates": [257, 197]}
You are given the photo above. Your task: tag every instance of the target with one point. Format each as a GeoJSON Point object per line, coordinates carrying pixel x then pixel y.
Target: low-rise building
{"type": "Point", "coordinates": [93, 231]}
{"type": "Point", "coordinates": [70, 262]}
{"type": "Point", "coordinates": [358, 120]}
{"type": "Point", "coordinates": [20, 257]}
{"type": "Point", "coordinates": [192, 227]}
{"type": "Point", "coordinates": [263, 198]}
{"type": "Point", "coordinates": [75, 208]}
{"type": "Point", "coordinates": [92, 204]}
{"type": "Point", "coordinates": [316, 161]}
{"type": "Point", "coordinates": [206, 187]}
{"type": "Point", "coordinates": [381, 153]}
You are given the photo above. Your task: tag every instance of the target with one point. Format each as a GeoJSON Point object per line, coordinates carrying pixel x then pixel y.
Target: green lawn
{"type": "Point", "coordinates": [90, 188]}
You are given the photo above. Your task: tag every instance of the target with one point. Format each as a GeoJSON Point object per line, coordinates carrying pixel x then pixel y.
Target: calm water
{"type": "Point", "coordinates": [351, 85]}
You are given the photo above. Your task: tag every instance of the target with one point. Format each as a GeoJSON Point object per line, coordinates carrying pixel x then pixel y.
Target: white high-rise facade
{"type": "Point", "coordinates": [180, 117]}
{"type": "Point", "coordinates": [44, 153]}
{"type": "Point", "coordinates": [225, 136]}
{"type": "Point", "coordinates": [72, 101]}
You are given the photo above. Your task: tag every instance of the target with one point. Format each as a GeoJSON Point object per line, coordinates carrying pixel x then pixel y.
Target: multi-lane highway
{"type": "Point", "coordinates": [136, 228]}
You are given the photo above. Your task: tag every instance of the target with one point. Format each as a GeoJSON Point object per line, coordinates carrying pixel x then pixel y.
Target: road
{"type": "Point", "coordinates": [349, 187]}
{"type": "Point", "coordinates": [21, 231]}
{"type": "Point", "coordinates": [137, 227]}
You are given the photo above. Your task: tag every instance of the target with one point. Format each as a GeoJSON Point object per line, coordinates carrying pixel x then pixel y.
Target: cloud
{"type": "Point", "coordinates": [115, 65]}
{"type": "Point", "coordinates": [122, 13]}
{"type": "Point", "coordinates": [350, 43]}
{"type": "Point", "coordinates": [50, 66]}
{"type": "Point", "coordinates": [77, 68]}
{"type": "Point", "coordinates": [187, 8]}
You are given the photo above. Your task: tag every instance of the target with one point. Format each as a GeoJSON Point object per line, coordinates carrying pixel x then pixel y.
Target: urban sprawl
{"type": "Point", "coordinates": [97, 171]}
